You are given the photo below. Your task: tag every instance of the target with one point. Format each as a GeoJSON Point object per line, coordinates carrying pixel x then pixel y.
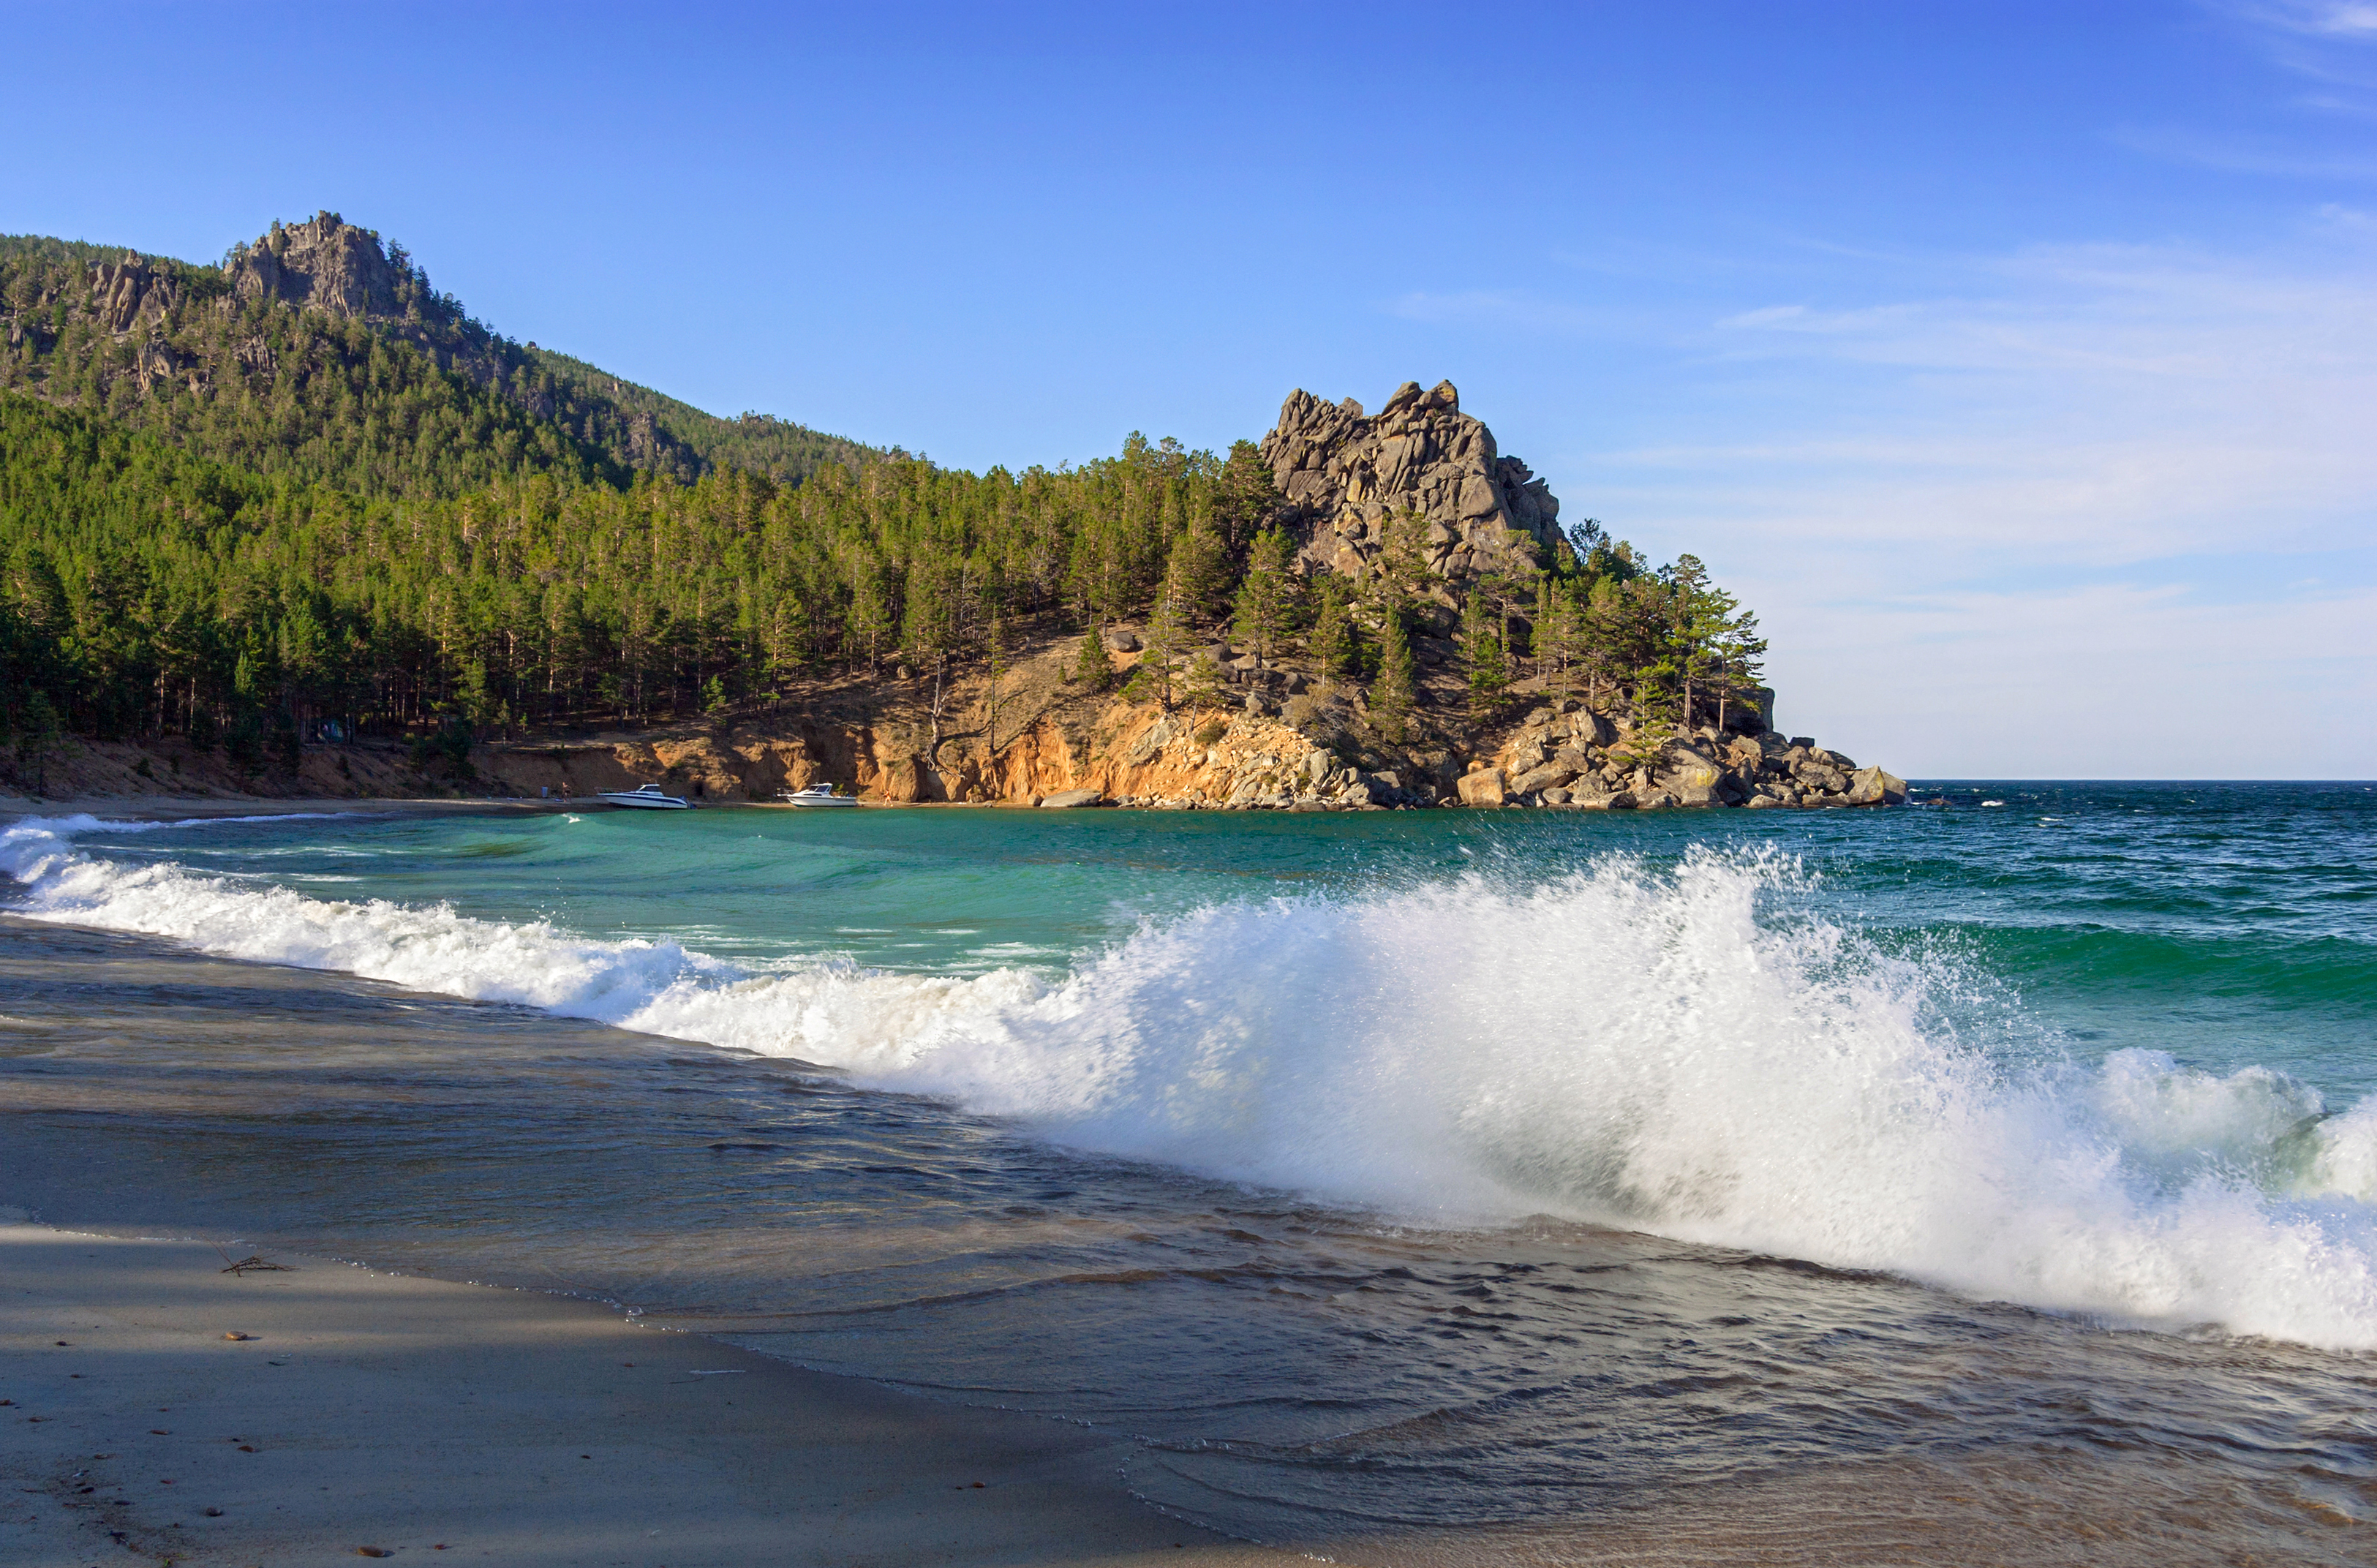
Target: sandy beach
{"type": "Point", "coordinates": [404, 1414]}
{"type": "Point", "coordinates": [369, 1413]}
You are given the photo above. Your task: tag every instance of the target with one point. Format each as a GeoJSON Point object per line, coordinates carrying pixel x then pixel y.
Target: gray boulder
{"type": "Point", "coordinates": [1590, 728]}
{"type": "Point", "coordinates": [1816, 776]}
{"type": "Point", "coordinates": [1871, 787]}
{"type": "Point", "coordinates": [1066, 798]}
{"type": "Point", "coordinates": [1484, 787]}
{"type": "Point", "coordinates": [1549, 776]}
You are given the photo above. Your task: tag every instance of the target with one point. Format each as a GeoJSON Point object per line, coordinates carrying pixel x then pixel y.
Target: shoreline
{"type": "Point", "coordinates": [175, 808]}
{"type": "Point", "coordinates": [397, 1408]}
{"type": "Point", "coordinates": [412, 1415]}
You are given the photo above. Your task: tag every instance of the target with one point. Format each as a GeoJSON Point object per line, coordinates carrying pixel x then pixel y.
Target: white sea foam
{"type": "Point", "coordinates": [1688, 1052]}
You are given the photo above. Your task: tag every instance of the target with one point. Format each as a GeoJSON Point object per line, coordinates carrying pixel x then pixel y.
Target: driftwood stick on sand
{"type": "Point", "coordinates": [253, 1262]}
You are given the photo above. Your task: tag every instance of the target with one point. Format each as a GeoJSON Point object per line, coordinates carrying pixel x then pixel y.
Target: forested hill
{"type": "Point", "coordinates": [303, 493]}
{"type": "Point", "coordinates": [320, 354]}
{"type": "Point", "coordinates": [146, 591]}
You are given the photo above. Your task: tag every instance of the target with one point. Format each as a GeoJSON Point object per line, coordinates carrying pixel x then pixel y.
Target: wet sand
{"type": "Point", "coordinates": [417, 1416]}
{"type": "Point", "coordinates": [401, 1413]}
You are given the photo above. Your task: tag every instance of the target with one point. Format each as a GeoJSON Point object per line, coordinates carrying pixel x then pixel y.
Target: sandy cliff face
{"type": "Point", "coordinates": [1273, 738]}
{"type": "Point", "coordinates": [1124, 752]}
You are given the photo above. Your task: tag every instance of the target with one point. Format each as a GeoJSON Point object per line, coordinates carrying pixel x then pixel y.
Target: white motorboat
{"type": "Point", "coordinates": [649, 799]}
{"type": "Point", "coordinates": [818, 795]}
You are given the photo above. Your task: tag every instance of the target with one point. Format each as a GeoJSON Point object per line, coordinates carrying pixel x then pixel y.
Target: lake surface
{"type": "Point", "coordinates": [1506, 1174]}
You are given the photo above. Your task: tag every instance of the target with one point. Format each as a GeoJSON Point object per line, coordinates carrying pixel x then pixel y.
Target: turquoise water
{"type": "Point", "coordinates": [2229, 923]}
{"type": "Point", "coordinates": [1399, 1167]}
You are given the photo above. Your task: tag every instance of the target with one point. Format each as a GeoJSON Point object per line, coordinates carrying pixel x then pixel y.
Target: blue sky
{"type": "Point", "coordinates": [2017, 362]}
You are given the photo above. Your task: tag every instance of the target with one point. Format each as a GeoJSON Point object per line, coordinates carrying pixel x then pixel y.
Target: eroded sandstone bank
{"type": "Point", "coordinates": [1277, 736]}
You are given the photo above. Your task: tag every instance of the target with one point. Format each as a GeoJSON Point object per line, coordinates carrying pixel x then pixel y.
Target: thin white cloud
{"type": "Point", "coordinates": [2115, 439]}
{"type": "Point", "coordinates": [2238, 154]}
{"type": "Point", "coordinates": [2105, 404]}
{"type": "Point", "coordinates": [2326, 42]}
{"type": "Point", "coordinates": [2105, 681]}
{"type": "Point", "coordinates": [2316, 18]}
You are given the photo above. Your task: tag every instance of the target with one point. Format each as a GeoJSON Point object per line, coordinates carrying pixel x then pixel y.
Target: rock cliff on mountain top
{"type": "Point", "coordinates": [291, 320]}
{"type": "Point", "coordinates": [1420, 463]}
{"type": "Point", "coordinates": [325, 264]}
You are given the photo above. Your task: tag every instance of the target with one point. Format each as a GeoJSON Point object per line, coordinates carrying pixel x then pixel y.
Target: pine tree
{"type": "Point", "coordinates": [1392, 694]}
{"type": "Point", "coordinates": [1402, 556]}
{"type": "Point", "coordinates": [1203, 685]}
{"type": "Point", "coordinates": [1560, 634]}
{"type": "Point", "coordinates": [287, 752]}
{"type": "Point", "coordinates": [1265, 595]}
{"type": "Point", "coordinates": [1246, 497]}
{"type": "Point", "coordinates": [1165, 640]}
{"type": "Point", "coordinates": [1707, 629]}
{"type": "Point", "coordinates": [37, 735]}
{"type": "Point", "coordinates": [1331, 641]}
{"type": "Point", "coordinates": [1740, 659]}
{"type": "Point", "coordinates": [1489, 669]}
{"type": "Point", "coordinates": [1092, 666]}
{"type": "Point", "coordinates": [994, 647]}
{"type": "Point", "coordinates": [1540, 637]}
{"type": "Point", "coordinates": [1198, 570]}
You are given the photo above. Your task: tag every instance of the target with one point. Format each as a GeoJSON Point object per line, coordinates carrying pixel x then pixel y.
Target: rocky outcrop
{"type": "Point", "coordinates": [1418, 463]}
{"type": "Point", "coordinates": [131, 295]}
{"type": "Point", "coordinates": [323, 264]}
{"type": "Point", "coordinates": [1564, 754]}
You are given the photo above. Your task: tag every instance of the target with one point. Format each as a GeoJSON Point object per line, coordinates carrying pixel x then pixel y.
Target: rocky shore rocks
{"type": "Point", "coordinates": [1563, 754]}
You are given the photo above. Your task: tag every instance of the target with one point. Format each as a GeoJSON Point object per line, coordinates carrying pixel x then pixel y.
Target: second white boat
{"type": "Point", "coordinates": [818, 795]}
{"type": "Point", "coordinates": [649, 799]}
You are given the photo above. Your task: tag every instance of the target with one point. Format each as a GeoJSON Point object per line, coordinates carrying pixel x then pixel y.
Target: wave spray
{"type": "Point", "coordinates": [1689, 1051]}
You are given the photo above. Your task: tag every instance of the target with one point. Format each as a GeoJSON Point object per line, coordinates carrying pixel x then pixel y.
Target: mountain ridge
{"type": "Point", "coordinates": [321, 352]}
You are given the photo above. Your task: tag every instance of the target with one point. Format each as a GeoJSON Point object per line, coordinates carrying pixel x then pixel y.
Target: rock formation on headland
{"type": "Point", "coordinates": [1419, 462]}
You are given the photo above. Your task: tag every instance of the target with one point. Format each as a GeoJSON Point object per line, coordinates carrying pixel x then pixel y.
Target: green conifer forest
{"type": "Point", "coordinates": [227, 515]}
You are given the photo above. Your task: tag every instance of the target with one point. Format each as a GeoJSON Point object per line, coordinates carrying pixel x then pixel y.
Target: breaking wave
{"type": "Point", "coordinates": [1689, 1051]}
